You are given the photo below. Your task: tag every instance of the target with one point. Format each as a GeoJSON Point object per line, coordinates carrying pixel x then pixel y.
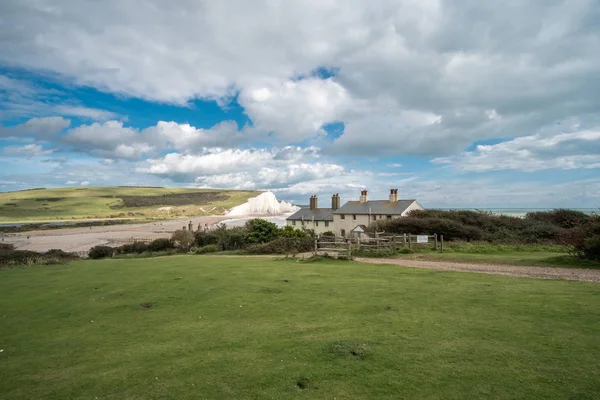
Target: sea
{"type": "Point", "coordinates": [517, 212]}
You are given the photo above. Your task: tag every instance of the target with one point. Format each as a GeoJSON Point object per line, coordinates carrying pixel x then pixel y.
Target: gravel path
{"type": "Point", "coordinates": [572, 274]}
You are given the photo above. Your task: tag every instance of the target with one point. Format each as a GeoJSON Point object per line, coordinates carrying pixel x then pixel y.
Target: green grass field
{"type": "Point", "coordinates": [67, 204]}
{"type": "Point", "coordinates": [250, 328]}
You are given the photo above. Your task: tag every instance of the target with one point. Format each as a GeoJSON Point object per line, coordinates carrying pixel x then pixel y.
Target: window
{"type": "Point", "coordinates": [388, 216]}
{"type": "Point", "coordinates": [302, 222]}
{"type": "Point", "coordinates": [326, 224]}
{"type": "Point", "coordinates": [316, 223]}
{"type": "Point", "coordinates": [343, 233]}
{"type": "Point", "coordinates": [294, 222]}
{"type": "Point", "coordinates": [354, 217]}
{"type": "Point", "coordinates": [342, 216]}
{"type": "Point", "coordinates": [374, 217]}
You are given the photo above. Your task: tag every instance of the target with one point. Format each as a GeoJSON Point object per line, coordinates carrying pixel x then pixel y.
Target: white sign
{"type": "Point", "coordinates": [422, 238]}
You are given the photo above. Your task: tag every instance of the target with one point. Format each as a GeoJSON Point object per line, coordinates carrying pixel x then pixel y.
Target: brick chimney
{"type": "Point", "coordinates": [393, 195]}
{"type": "Point", "coordinates": [314, 202]}
{"type": "Point", "coordinates": [335, 201]}
{"type": "Point", "coordinates": [363, 196]}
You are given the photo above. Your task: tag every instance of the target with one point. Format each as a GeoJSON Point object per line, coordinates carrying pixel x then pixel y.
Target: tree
{"type": "Point", "coordinates": [260, 231]}
{"type": "Point", "coordinates": [183, 239]}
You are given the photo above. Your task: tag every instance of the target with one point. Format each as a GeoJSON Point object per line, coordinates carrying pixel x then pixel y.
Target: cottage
{"type": "Point", "coordinates": [315, 219]}
{"type": "Point", "coordinates": [352, 217]}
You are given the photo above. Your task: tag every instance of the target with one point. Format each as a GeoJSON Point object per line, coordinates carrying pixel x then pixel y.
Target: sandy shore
{"type": "Point", "coordinates": [82, 239]}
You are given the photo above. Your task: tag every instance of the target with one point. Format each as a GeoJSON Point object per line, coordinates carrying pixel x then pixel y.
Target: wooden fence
{"type": "Point", "coordinates": [131, 240]}
{"type": "Point", "coordinates": [405, 240]}
{"type": "Point", "coordinates": [343, 246]}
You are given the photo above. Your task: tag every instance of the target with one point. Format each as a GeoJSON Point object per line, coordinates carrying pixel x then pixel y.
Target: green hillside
{"type": "Point", "coordinates": [67, 204]}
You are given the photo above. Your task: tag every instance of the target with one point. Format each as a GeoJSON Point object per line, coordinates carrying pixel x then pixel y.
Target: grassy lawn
{"type": "Point", "coordinates": [66, 204]}
{"type": "Point", "coordinates": [250, 328]}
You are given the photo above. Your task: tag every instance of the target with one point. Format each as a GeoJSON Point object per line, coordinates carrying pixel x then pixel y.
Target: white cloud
{"type": "Point", "coordinates": [84, 183]}
{"type": "Point", "coordinates": [28, 150]}
{"type": "Point", "coordinates": [41, 128]}
{"type": "Point", "coordinates": [414, 77]}
{"type": "Point", "coordinates": [21, 98]}
{"type": "Point", "coordinates": [570, 150]}
{"type": "Point", "coordinates": [295, 110]}
{"type": "Point", "coordinates": [86, 112]}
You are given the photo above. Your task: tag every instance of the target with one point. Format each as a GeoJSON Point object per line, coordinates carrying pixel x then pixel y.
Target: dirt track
{"type": "Point", "coordinates": [82, 239]}
{"type": "Point", "coordinates": [572, 274]}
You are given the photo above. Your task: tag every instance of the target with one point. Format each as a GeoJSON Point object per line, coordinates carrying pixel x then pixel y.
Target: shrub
{"type": "Point", "coordinates": [328, 234]}
{"type": "Point", "coordinates": [562, 218]}
{"type": "Point", "coordinates": [290, 232]}
{"type": "Point", "coordinates": [260, 231]}
{"type": "Point", "coordinates": [584, 240]}
{"type": "Point", "coordinates": [211, 248]}
{"type": "Point", "coordinates": [97, 252]}
{"type": "Point", "coordinates": [6, 247]}
{"type": "Point", "coordinates": [183, 239]}
{"type": "Point", "coordinates": [225, 239]}
{"type": "Point", "coordinates": [283, 246]}
{"type": "Point", "coordinates": [135, 247]}
{"type": "Point", "coordinates": [161, 245]}
{"type": "Point", "coordinates": [58, 253]}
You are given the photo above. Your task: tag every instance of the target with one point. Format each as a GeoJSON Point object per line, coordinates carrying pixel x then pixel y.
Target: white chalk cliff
{"type": "Point", "coordinates": [263, 204]}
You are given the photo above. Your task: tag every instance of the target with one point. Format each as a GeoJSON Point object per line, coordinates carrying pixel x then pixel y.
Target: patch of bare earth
{"type": "Point", "coordinates": [572, 274]}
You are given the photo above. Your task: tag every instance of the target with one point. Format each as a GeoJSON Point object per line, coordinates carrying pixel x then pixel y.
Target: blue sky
{"type": "Point", "coordinates": [310, 98]}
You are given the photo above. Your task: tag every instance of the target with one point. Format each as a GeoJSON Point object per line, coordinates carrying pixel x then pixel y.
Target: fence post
{"type": "Point", "coordinates": [349, 250]}
{"type": "Point", "coordinates": [409, 241]}
{"type": "Point", "coordinates": [442, 243]}
{"type": "Point", "coordinates": [316, 246]}
{"type": "Point", "coordinates": [404, 239]}
{"type": "Point", "coordinates": [435, 240]}
{"type": "Point", "coordinates": [393, 244]}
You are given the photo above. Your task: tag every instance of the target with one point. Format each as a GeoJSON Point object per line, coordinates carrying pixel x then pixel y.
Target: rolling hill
{"type": "Point", "coordinates": [132, 203]}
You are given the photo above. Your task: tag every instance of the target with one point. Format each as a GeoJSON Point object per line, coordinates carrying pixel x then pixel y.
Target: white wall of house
{"type": "Point", "coordinates": [414, 206]}
{"type": "Point", "coordinates": [317, 226]}
{"type": "Point", "coordinates": [343, 227]}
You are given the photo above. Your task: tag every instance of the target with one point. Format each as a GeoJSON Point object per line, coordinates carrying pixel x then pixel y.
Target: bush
{"type": "Point", "coordinates": [328, 234]}
{"type": "Point", "coordinates": [562, 218]}
{"type": "Point", "coordinates": [58, 253]}
{"type": "Point", "coordinates": [584, 240]}
{"type": "Point", "coordinates": [211, 248]}
{"type": "Point", "coordinates": [97, 252]}
{"type": "Point", "coordinates": [290, 232]}
{"type": "Point", "coordinates": [6, 247]}
{"type": "Point", "coordinates": [225, 239]}
{"type": "Point", "coordinates": [161, 245]}
{"type": "Point", "coordinates": [183, 239]}
{"type": "Point", "coordinates": [135, 247]}
{"type": "Point", "coordinates": [283, 246]}
{"type": "Point", "coordinates": [260, 231]}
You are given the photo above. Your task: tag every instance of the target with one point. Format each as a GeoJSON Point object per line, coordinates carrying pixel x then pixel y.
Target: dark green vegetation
{"type": "Point", "coordinates": [208, 327]}
{"type": "Point", "coordinates": [257, 236]}
{"type": "Point", "coordinates": [10, 257]}
{"type": "Point", "coordinates": [117, 203]}
{"type": "Point", "coordinates": [577, 230]}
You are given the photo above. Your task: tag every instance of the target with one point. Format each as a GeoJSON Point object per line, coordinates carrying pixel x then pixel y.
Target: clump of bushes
{"type": "Point", "coordinates": [210, 248]}
{"type": "Point", "coordinates": [283, 246]}
{"type": "Point", "coordinates": [584, 240]}
{"type": "Point", "coordinates": [98, 252]}
{"type": "Point", "coordinates": [9, 256]}
{"type": "Point", "coordinates": [161, 245]}
{"type": "Point", "coordinates": [537, 227]}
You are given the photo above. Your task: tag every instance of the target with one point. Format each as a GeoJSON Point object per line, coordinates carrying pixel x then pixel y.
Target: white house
{"type": "Point", "coordinates": [353, 217]}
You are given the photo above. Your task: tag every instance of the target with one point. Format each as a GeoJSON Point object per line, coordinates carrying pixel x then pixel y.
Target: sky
{"type": "Point", "coordinates": [456, 103]}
